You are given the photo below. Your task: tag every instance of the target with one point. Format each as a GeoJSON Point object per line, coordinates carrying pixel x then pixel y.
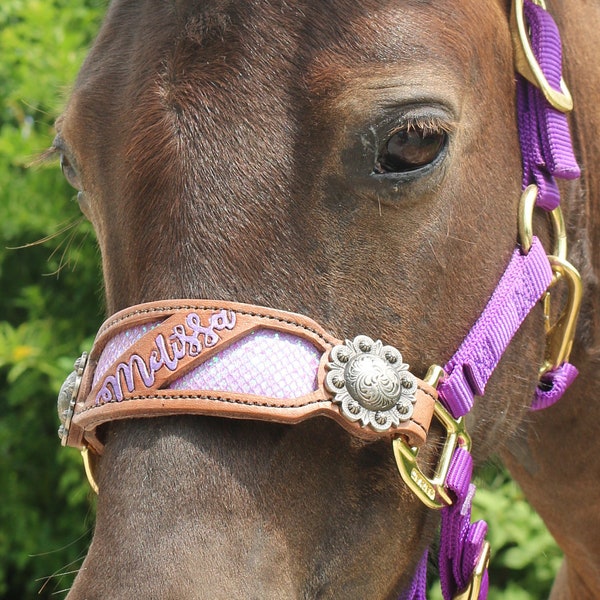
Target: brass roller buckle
{"type": "Point", "coordinates": [432, 491]}
{"type": "Point", "coordinates": [559, 335]}
{"type": "Point", "coordinates": [526, 63]}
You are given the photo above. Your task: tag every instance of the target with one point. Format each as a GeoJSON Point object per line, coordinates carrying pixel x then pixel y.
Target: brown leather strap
{"type": "Point", "coordinates": [175, 337]}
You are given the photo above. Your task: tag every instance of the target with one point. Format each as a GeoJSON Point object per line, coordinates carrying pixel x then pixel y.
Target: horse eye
{"type": "Point", "coordinates": [409, 149]}
{"type": "Point", "coordinates": [69, 172]}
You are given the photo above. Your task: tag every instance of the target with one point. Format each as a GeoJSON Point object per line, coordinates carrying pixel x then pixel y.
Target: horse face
{"type": "Point", "coordinates": [356, 162]}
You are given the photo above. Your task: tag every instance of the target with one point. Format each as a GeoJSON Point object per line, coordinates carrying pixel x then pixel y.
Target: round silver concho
{"type": "Point", "coordinates": [67, 397]}
{"type": "Point", "coordinates": [371, 383]}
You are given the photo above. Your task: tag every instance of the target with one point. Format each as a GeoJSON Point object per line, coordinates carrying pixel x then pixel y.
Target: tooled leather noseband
{"type": "Point", "coordinates": [249, 362]}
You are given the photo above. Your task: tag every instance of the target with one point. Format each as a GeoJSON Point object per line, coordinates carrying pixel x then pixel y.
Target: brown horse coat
{"type": "Point", "coordinates": [231, 150]}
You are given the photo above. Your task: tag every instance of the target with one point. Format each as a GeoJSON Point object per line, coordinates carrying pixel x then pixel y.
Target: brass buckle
{"type": "Point", "coordinates": [560, 335]}
{"type": "Point", "coordinates": [432, 491]}
{"type": "Point", "coordinates": [471, 592]}
{"type": "Point", "coordinates": [527, 65]}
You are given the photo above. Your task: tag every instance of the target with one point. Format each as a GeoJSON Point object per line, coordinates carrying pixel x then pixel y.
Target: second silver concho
{"type": "Point", "coordinates": [370, 383]}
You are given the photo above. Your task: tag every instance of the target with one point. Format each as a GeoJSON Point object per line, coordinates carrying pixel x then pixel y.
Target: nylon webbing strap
{"type": "Point", "coordinates": [525, 280]}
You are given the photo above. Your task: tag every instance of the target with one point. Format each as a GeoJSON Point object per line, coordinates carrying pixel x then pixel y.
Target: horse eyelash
{"type": "Point", "coordinates": [428, 124]}
{"type": "Point", "coordinates": [50, 155]}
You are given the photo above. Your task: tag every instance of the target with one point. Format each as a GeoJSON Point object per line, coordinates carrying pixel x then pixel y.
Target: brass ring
{"type": "Point", "coordinates": [525, 225]}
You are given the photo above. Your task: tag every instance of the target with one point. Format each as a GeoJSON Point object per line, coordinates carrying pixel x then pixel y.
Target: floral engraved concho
{"type": "Point", "coordinates": [371, 383]}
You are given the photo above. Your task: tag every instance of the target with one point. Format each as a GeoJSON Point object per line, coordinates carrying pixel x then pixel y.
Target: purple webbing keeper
{"type": "Point", "coordinates": [553, 385]}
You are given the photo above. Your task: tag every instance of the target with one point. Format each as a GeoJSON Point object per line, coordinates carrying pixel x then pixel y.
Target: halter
{"type": "Point", "coordinates": [249, 362]}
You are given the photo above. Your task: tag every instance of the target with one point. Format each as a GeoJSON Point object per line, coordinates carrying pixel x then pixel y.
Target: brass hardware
{"type": "Point", "coordinates": [432, 491]}
{"type": "Point", "coordinates": [67, 398]}
{"type": "Point", "coordinates": [471, 592]}
{"type": "Point", "coordinates": [560, 335]}
{"type": "Point", "coordinates": [559, 232]}
{"type": "Point", "coordinates": [434, 375]}
{"type": "Point", "coordinates": [525, 226]}
{"type": "Point", "coordinates": [527, 65]}
{"type": "Point", "coordinates": [87, 465]}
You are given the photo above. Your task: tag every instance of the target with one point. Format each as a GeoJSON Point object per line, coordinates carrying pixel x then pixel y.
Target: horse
{"type": "Point", "coordinates": [357, 163]}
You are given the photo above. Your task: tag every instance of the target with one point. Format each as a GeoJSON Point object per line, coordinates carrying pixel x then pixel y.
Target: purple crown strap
{"type": "Point", "coordinates": [524, 282]}
{"type": "Point", "coordinates": [546, 144]}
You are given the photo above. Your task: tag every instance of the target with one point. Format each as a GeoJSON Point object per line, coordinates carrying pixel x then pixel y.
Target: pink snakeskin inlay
{"type": "Point", "coordinates": [264, 363]}
{"type": "Point", "coordinates": [119, 344]}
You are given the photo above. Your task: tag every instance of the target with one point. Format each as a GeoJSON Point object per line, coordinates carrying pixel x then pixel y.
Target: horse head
{"type": "Point", "coordinates": [354, 162]}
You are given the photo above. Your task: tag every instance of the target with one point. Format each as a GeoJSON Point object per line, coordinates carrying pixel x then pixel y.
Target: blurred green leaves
{"type": "Point", "coordinates": [49, 298]}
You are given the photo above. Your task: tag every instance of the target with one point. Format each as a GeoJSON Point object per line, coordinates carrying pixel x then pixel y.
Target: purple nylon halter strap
{"type": "Point", "coordinates": [524, 282]}
{"type": "Point", "coordinates": [547, 153]}
{"type": "Point", "coordinates": [546, 144]}
{"type": "Point", "coordinates": [461, 543]}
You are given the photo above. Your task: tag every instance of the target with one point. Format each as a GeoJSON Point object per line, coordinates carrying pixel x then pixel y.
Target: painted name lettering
{"type": "Point", "coordinates": [185, 340]}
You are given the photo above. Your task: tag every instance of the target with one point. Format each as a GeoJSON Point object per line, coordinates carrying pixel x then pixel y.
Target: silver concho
{"type": "Point", "coordinates": [371, 383]}
{"type": "Point", "coordinates": [67, 397]}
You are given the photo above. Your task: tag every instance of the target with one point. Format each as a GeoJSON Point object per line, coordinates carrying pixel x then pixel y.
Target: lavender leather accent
{"type": "Point", "coordinates": [461, 542]}
{"type": "Point", "coordinates": [524, 282]}
{"type": "Point", "coordinates": [546, 145]}
{"type": "Point", "coordinates": [264, 363]}
{"type": "Point", "coordinates": [118, 345]}
{"type": "Point", "coordinates": [554, 383]}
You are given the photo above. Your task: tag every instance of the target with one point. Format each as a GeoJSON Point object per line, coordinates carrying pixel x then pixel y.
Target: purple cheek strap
{"type": "Point", "coordinates": [547, 151]}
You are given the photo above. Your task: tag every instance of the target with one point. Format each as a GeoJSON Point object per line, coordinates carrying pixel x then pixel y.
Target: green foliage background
{"type": "Point", "coordinates": [51, 305]}
{"type": "Point", "coordinates": [50, 298]}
